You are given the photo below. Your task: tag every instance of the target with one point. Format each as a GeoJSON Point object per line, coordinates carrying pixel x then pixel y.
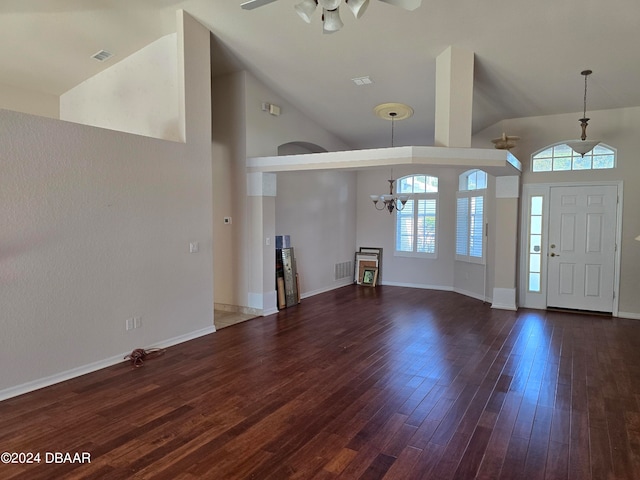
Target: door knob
{"type": "Point", "coordinates": [554, 254]}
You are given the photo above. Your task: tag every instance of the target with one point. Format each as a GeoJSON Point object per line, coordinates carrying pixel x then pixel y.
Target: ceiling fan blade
{"type": "Point", "coordinates": [251, 4]}
{"type": "Point", "coordinates": [406, 4]}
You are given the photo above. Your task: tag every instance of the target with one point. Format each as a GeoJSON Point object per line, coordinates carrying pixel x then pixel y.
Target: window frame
{"type": "Point", "coordinates": [556, 159]}
{"type": "Point", "coordinates": [538, 233]}
{"type": "Point", "coordinates": [467, 193]}
{"type": "Point", "coordinates": [414, 199]}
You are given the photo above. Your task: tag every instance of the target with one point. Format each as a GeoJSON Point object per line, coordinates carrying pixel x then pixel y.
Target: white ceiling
{"type": "Point", "coordinates": [528, 54]}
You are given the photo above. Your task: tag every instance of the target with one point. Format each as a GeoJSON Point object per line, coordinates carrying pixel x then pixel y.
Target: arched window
{"type": "Point", "coordinates": [560, 157]}
{"type": "Point", "coordinates": [472, 180]}
{"type": "Point", "coordinates": [416, 223]}
{"type": "Point", "coordinates": [470, 217]}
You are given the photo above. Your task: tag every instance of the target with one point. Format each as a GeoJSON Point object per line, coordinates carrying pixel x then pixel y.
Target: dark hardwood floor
{"type": "Point", "coordinates": [368, 383]}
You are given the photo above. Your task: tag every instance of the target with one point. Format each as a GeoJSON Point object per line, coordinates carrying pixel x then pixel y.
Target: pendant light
{"type": "Point", "coordinates": [583, 146]}
{"type": "Point", "coordinates": [392, 112]}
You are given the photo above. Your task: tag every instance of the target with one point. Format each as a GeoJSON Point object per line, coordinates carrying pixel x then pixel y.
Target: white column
{"type": "Point", "coordinates": [506, 215]}
{"type": "Point", "coordinates": [261, 192]}
{"type": "Point", "coordinates": [454, 98]}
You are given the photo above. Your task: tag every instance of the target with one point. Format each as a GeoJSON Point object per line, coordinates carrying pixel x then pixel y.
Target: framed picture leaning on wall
{"type": "Point", "coordinates": [370, 276]}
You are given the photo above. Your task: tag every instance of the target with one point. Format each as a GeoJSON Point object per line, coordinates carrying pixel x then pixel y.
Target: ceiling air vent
{"type": "Point", "coordinates": [102, 55]}
{"type": "Point", "coordinates": [362, 81]}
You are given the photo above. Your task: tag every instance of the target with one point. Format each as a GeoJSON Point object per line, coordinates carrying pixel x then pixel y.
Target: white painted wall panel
{"type": "Point", "coordinates": [138, 94]}
{"type": "Point", "coordinates": [96, 226]}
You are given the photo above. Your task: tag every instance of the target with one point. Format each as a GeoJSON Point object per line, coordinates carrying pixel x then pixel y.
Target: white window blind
{"type": "Point", "coordinates": [462, 227]}
{"type": "Point", "coordinates": [476, 226]}
{"type": "Point", "coordinates": [426, 226]}
{"type": "Point", "coordinates": [404, 229]}
{"type": "Point", "coordinates": [470, 227]}
{"type": "Point", "coordinates": [416, 223]}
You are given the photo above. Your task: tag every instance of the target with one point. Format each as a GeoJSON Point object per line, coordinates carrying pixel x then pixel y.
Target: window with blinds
{"type": "Point", "coordinates": [470, 218]}
{"type": "Point", "coordinates": [416, 223]}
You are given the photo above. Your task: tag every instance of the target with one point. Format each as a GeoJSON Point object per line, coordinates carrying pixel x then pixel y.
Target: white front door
{"type": "Point", "coordinates": [581, 253]}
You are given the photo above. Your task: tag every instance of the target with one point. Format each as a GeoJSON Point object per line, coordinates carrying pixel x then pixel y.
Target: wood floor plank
{"type": "Point", "coordinates": [579, 453]}
{"type": "Point", "coordinates": [404, 465]}
{"type": "Point", "coordinates": [534, 467]}
{"type": "Point", "coordinates": [469, 464]}
{"type": "Point", "coordinates": [557, 466]}
{"type": "Point", "coordinates": [339, 462]}
{"type": "Point", "coordinates": [385, 382]}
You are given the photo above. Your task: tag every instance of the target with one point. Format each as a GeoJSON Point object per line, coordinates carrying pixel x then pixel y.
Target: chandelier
{"type": "Point", "coordinates": [392, 112]}
{"type": "Point", "coordinates": [391, 201]}
{"type": "Point", "coordinates": [583, 146]}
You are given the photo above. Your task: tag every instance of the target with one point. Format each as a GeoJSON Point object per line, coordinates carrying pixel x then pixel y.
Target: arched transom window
{"type": "Point", "coordinates": [561, 157]}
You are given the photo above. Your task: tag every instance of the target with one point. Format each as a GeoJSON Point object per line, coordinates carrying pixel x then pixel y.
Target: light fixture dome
{"type": "Point", "coordinates": [582, 147]}
{"type": "Point", "coordinates": [331, 21]}
{"type": "Point", "coordinates": [358, 7]}
{"type": "Point", "coordinates": [305, 9]}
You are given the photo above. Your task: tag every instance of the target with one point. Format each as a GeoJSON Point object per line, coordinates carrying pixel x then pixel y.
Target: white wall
{"type": "Point", "coordinates": [377, 229]}
{"type": "Point", "coordinates": [240, 130]}
{"type": "Point", "coordinates": [139, 94]}
{"type": "Point", "coordinates": [616, 128]}
{"type": "Point", "coordinates": [96, 229]}
{"type": "Point", "coordinates": [318, 210]}
{"type": "Point", "coordinates": [27, 101]}
{"type": "Point", "coordinates": [266, 132]}
{"type": "Point", "coordinates": [228, 184]}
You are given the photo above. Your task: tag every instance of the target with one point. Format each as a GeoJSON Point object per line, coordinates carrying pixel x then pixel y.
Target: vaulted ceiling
{"type": "Point", "coordinates": [528, 55]}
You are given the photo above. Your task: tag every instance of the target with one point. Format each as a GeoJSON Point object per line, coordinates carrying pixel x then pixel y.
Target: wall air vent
{"type": "Point", "coordinates": [102, 55]}
{"type": "Point", "coordinates": [343, 270]}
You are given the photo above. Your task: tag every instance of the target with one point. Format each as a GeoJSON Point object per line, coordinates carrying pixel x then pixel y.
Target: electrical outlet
{"type": "Point", "coordinates": [137, 322]}
{"type": "Point", "coordinates": [128, 324]}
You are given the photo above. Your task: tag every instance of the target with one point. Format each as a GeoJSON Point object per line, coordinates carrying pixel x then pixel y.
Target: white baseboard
{"type": "Point", "coordinates": [630, 315]}
{"type": "Point", "coordinates": [185, 338]}
{"type": "Point", "coordinates": [444, 288]}
{"type": "Point", "coordinates": [223, 307]}
{"type": "Point", "coordinates": [477, 296]}
{"type": "Point", "coordinates": [339, 284]}
{"type": "Point", "coordinates": [92, 367]}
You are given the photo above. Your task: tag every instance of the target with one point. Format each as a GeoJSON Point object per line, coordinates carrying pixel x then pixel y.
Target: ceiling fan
{"type": "Point", "coordinates": [331, 21]}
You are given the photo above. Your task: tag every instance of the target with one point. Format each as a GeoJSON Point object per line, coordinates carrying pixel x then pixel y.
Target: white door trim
{"type": "Point", "coordinates": [539, 300]}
